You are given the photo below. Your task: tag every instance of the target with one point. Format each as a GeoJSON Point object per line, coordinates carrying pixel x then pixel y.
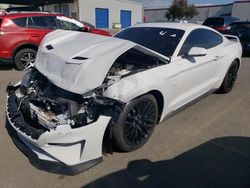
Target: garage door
{"type": "Point", "coordinates": [102, 18]}
{"type": "Point", "coordinates": [125, 18]}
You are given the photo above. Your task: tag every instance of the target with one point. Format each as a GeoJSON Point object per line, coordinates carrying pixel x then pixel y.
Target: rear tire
{"type": "Point", "coordinates": [24, 58]}
{"type": "Point", "coordinates": [135, 124]}
{"type": "Point", "coordinates": [230, 78]}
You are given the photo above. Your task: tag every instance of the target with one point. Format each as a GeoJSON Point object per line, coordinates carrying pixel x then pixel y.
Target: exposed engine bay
{"type": "Point", "coordinates": [133, 61]}
{"type": "Point", "coordinates": [48, 106]}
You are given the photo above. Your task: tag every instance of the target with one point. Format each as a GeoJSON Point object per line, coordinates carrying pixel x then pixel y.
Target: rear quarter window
{"type": "Point", "coordinates": [228, 21]}
{"type": "Point", "coordinates": [43, 22]}
{"type": "Point", "coordinates": [21, 22]}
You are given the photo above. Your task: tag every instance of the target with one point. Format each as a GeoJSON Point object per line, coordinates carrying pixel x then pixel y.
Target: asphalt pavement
{"type": "Point", "coordinates": [206, 145]}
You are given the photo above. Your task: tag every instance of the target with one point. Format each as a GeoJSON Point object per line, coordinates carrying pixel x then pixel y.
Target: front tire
{"type": "Point", "coordinates": [24, 58]}
{"type": "Point", "coordinates": [136, 123]}
{"type": "Point", "coordinates": [230, 78]}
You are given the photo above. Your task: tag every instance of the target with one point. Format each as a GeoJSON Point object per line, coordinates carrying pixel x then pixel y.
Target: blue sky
{"type": "Point", "coordinates": [167, 2]}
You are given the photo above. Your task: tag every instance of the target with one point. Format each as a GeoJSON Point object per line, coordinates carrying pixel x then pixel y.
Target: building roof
{"type": "Point", "coordinates": [198, 5]}
{"type": "Point", "coordinates": [131, 2]}
{"type": "Point", "coordinates": [28, 14]}
{"type": "Point", "coordinates": [36, 2]}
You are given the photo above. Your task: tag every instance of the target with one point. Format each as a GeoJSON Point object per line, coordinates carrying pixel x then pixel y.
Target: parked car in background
{"type": "Point", "coordinates": [93, 29]}
{"type": "Point", "coordinates": [26, 9]}
{"type": "Point", "coordinates": [220, 23]}
{"type": "Point", "coordinates": [21, 34]}
{"type": "Point", "coordinates": [241, 30]}
{"type": "Point", "coordinates": [113, 91]}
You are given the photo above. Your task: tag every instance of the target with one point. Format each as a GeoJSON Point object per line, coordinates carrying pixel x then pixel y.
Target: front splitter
{"type": "Point", "coordinates": [49, 166]}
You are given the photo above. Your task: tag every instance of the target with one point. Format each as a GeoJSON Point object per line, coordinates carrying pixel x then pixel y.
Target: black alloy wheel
{"type": "Point", "coordinates": [136, 123]}
{"type": "Point", "coordinates": [140, 122]}
{"type": "Point", "coordinates": [232, 75]}
{"type": "Point", "coordinates": [230, 78]}
{"type": "Point", "coordinates": [27, 59]}
{"type": "Point", "coordinates": [24, 58]}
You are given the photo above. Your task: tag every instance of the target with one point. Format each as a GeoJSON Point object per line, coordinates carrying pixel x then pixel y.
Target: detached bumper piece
{"type": "Point", "coordinates": [17, 119]}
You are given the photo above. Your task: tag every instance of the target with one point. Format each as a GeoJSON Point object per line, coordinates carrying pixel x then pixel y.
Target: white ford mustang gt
{"type": "Point", "coordinates": [86, 91]}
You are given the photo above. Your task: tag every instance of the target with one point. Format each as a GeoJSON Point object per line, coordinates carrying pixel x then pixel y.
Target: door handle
{"type": "Point", "coordinates": [216, 58]}
{"type": "Point", "coordinates": [34, 35]}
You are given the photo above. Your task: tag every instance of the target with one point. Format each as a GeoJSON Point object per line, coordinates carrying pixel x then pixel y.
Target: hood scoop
{"type": "Point", "coordinates": [49, 47]}
{"type": "Point", "coordinates": [80, 58]}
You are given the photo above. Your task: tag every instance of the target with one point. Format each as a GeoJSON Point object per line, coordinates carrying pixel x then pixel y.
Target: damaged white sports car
{"type": "Point", "coordinates": [86, 90]}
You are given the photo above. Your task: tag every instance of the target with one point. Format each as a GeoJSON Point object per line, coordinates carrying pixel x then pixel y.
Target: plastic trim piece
{"type": "Point", "coordinates": [6, 61]}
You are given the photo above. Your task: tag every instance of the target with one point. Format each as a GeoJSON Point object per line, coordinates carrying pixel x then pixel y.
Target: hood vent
{"type": "Point", "coordinates": [80, 58]}
{"type": "Point", "coordinates": [49, 47]}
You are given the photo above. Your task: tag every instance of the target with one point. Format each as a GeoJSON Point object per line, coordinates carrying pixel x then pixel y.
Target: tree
{"type": "Point", "coordinates": [181, 10]}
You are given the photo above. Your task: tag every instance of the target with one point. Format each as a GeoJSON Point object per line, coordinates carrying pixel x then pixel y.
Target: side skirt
{"type": "Point", "coordinates": [185, 106]}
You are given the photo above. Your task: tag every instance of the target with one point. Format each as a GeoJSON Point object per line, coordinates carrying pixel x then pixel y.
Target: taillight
{"type": "Point", "coordinates": [220, 28]}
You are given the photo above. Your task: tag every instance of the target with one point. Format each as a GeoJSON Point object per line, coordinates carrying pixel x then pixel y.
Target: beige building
{"type": "Point", "coordinates": [239, 9]}
{"type": "Point", "coordinates": [3, 6]}
{"type": "Point", "coordinates": [102, 14]}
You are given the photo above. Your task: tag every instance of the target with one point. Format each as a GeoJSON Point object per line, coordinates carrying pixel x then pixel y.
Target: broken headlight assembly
{"type": "Point", "coordinates": [45, 104]}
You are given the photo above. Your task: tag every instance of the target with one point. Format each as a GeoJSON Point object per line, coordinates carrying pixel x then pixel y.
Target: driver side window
{"type": "Point", "coordinates": [202, 38]}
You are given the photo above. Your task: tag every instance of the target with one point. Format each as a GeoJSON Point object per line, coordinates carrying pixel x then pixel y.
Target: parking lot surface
{"type": "Point", "coordinates": [206, 145]}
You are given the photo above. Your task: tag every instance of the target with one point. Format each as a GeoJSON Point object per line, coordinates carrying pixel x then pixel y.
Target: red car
{"type": "Point", "coordinates": [93, 29]}
{"type": "Point", "coordinates": [21, 34]}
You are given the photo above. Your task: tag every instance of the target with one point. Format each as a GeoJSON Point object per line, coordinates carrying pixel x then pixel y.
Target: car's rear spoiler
{"type": "Point", "coordinates": [232, 37]}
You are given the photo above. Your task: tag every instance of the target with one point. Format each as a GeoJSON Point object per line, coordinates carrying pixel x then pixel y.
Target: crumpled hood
{"type": "Point", "coordinates": [78, 62]}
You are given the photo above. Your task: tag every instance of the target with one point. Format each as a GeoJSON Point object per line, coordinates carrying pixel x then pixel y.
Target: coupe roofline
{"type": "Point", "coordinates": [180, 26]}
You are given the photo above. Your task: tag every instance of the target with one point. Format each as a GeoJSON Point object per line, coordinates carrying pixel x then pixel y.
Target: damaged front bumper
{"type": "Point", "coordinates": [63, 150]}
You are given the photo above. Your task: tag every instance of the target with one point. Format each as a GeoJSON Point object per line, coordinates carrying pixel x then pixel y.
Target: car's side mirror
{"type": "Point", "coordinates": [197, 52]}
{"type": "Point", "coordinates": [85, 29]}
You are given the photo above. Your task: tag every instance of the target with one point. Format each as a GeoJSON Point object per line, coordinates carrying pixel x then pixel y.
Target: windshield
{"type": "Point", "coordinates": [161, 40]}
{"type": "Point", "coordinates": [88, 24]}
{"type": "Point", "coordinates": [69, 23]}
